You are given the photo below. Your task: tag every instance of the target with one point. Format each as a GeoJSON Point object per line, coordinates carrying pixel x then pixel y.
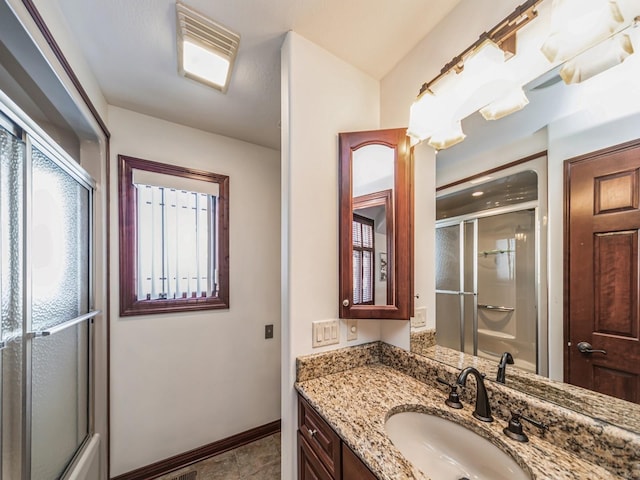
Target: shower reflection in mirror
{"type": "Point", "coordinates": [488, 270]}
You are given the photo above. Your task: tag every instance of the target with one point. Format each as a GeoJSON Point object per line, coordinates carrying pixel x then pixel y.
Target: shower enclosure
{"type": "Point", "coordinates": [46, 288]}
{"type": "Point", "coordinates": [487, 271]}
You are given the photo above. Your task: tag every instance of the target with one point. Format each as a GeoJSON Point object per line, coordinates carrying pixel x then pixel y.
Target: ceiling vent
{"type": "Point", "coordinates": [206, 49]}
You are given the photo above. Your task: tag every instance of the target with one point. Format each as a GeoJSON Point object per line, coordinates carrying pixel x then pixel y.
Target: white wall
{"type": "Point", "coordinates": [180, 381]}
{"type": "Point", "coordinates": [321, 96]}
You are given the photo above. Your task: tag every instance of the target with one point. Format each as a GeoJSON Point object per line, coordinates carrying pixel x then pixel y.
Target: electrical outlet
{"type": "Point", "coordinates": [268, 331]}
{"type": "Point", "coordinates": [420, 318]}
{"type": "Point", "coordinates": [325, 332]}
{"type": "Point", "coordinates": [352, 329]}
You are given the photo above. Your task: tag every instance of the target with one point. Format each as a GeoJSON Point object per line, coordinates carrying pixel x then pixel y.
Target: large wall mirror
{"type": "Point", "coordinates": [561, 122]}
{"type": "Point", "coordinates": [375, 224]}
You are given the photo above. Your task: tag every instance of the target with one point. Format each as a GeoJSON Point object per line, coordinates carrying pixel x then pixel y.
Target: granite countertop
{"type": "Point", "coordinates": [609, 409]}
{"type": "Point", "coordinates": [356, 403]}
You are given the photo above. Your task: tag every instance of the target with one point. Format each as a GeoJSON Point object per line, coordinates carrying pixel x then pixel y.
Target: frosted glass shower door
{"type": "Point", "coordinates": [12, 154]}
{"type": "Point", "coordinates": [60, 285]}
{"type": "Point", "coordinates": [46, 300]}
{"type": "Point", "coordinates": [448, 268]}
{"type": "Point", "coordinates": [507, 314]}
{"type": "Point", "coordinates": [455, 286]}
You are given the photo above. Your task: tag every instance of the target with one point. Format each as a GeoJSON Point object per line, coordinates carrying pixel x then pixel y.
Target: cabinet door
{"type": "Point", "coordinates": [324, 442]}
{"type": "Point", "coordinates": [376, 224]}
{"type": "Point", "coordinates": [353, 468]}
{"type": "Point", "coordinates": [309, 465]}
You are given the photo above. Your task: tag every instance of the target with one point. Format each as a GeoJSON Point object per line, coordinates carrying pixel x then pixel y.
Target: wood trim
{"type": "Point", "coordinates": [182, 460]}
{"type": "Point", "coordinates": [129, 304]}
{"type": "Point", "coordinates": [565, 268]}
{"type": "Point", "coordinates": [493, 170]}
{"type": "Point", "coordinates": [567, 240]}
{"type": "Point", "coordinates": [57, 51]}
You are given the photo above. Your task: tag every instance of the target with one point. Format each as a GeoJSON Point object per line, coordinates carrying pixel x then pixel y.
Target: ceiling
{"type": "Point", "coordinates": [130, 46]}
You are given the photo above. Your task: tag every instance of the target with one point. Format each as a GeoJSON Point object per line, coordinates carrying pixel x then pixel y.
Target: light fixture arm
{"type": "Point", "coordinates": [503, 34]}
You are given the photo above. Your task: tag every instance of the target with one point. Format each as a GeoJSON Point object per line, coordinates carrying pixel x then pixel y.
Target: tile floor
{"type": "Point", "coordinates": [259, 460]}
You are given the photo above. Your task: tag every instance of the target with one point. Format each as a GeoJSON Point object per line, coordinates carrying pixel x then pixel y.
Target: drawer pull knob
{"type": "Point", "coordinates": [312, 432]}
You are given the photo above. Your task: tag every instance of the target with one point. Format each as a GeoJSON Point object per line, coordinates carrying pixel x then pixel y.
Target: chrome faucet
{"type": "Point", "coordinates": [483, 410]}
{"type": "Point", "coordinates": [506, 358]}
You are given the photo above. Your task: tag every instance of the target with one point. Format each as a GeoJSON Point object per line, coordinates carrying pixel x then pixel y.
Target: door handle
{"type": "Point", "coordinates": [585, 347]}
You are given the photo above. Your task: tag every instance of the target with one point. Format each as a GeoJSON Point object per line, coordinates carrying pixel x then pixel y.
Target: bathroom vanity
{"type": "Point", "coordinates": [322, 455]}
{"type": "Point", "coordinates": [347, 396]}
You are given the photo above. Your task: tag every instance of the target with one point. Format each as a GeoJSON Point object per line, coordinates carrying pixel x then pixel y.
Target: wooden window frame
{"type": "Point", "coordinates": [367, 221]}
{"type": "Point", "coordinates": [127, 199]}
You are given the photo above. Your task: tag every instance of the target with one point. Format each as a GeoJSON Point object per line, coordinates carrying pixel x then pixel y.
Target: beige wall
{"type": "Point", "coordinates": [180, 381]}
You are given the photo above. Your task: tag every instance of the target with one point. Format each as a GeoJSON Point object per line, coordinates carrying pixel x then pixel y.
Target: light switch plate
{"type": "Point", "coordinates": [420, 318]}
{"type": "Point", "coordinates": [352, 329]}
{"type": "Point", "coordinates": [325, 332]}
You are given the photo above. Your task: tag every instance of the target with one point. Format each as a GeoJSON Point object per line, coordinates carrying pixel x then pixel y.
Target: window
{"type": "Point", "coordinates": [363, 255]}
{"type": "Point", "coordinates": [174, 238]}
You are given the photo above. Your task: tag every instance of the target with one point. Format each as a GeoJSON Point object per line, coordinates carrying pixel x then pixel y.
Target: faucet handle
{"type": "Point", "coordinates": [514, 429]}
{"type": "Point", "coordinates": [454, 399]}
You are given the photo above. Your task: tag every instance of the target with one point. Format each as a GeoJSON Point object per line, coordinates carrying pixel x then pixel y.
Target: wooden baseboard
{"type": "Point", "coordinates": [185, 459]}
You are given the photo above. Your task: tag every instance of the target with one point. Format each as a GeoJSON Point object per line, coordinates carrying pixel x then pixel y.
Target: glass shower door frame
{"type": "Point", "coordinates": [473, 218]}
{"type": "Point", "coordinates": [33, 136]}
{"type": "Point", "coordinates": [462, 292]}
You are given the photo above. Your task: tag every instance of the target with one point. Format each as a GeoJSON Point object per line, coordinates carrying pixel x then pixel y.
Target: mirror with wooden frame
{"type": "Point", "coordinates": [376, 225]}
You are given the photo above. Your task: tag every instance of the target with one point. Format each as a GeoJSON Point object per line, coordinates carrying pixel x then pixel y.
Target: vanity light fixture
{"type": "Point", "coordinates": [589, 36]}
{"type": "Point", "coordinates": [477, 79]}
{"type": "Point", "coordinates": [603, 56]}
{"type": "Point", "coordinates": [448, 135]}
{"type": "Point", "coordinates": [477, 194]}
{"type": "Point", "coordinates": [577, 25]}
{"type": "Point", "coordinates": [206, 49]}
{"type": "Point", "coordinates": [509, 103]}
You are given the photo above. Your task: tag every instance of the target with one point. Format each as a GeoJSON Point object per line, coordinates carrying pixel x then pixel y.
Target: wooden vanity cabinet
{"type": "Point", "coordinates": [321, 453]}
{"type": "Point", "coordinates": [353, 468]}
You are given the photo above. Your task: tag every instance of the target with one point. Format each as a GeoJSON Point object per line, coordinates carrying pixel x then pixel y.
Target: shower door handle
{"type": "Point", "coordinates": [585, 347]}
{"type": "Point", "coordinates": [497, 308]}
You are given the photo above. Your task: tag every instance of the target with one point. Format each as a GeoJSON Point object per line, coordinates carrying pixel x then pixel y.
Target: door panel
{"type": "Point", "coordinates": [603, 220]}
{"type": "Point", "coordinates": [616, 280]}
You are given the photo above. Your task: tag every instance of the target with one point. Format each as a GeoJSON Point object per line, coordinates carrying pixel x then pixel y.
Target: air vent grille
{"type": "Point", "coordinates": [186, 476]}
{"type": "Point", "coordinates": [200, 30]}
{"type": "Point", "coordinates": [196, 26]}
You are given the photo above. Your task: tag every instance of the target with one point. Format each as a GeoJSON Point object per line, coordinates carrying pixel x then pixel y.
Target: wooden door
{"type": "Point", "coordinates": [601, 271]}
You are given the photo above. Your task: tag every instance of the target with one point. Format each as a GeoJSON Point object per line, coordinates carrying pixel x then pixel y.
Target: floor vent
{"type": "Point", "coordinates": [186, 476]}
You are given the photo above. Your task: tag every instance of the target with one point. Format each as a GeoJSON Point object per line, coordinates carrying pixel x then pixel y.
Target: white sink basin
{"type": "Point", "coordinates": [444, 450]}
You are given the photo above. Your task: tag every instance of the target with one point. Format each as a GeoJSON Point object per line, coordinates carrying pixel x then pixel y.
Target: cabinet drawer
{"type": "Point", "coordinates": [320, 437]}
{"type": "Point", "coordinates": [309, 465]}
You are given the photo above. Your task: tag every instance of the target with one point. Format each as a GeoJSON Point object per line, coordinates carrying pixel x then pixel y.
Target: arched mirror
{"type": "Point", "coordinates": [376, 225]}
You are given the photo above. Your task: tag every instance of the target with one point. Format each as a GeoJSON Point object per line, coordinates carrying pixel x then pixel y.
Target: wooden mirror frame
{"type": "Point", "coordinates": [400, 258]}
